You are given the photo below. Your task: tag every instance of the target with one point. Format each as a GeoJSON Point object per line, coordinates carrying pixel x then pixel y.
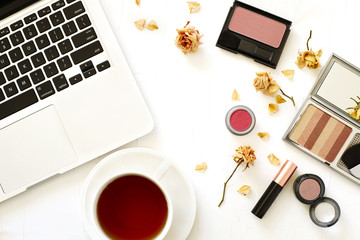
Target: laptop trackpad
{"type": "Point", "coordinates": [41, 151]}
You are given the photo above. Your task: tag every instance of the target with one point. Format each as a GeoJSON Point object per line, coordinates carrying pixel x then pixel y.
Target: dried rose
{"type": "Point", "coordinates": [280, 99]}
{"type": "Point", "coordinates": [201, 167]}
{"type": "Point", "coordinates": [245, 189]}
{"type": "Point", "coordinates": [140, 24]}
{"type": "Point", "coordinates": [355, 111]}
{"type": "Point", "coordinates": [243, 154]}
{"type": "Point", "coordinates": [273, 159]}
{"type": "Point", "coordinates": [289, 73]}
{"type": "Point", "coordinates": [193, 7]}
{"type": "Point", "coordinates": [273, 108]}
{"type": "Point", "coordinates": [188, 39]}
{"type": "Point", "coordinates": [265, 83]}
{"type": "Point", "coordinates": [309, 58]}
{"type": "Point", "coordinates": [263, 135]}
{"type": "Point", "coordinates": [152, 25]}
{"type": "Point", "coordinates": [235, 96]}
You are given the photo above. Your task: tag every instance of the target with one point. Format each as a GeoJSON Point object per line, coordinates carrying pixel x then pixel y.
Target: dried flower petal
{"type": "Point", "coordinates": [245, 189]}
{"type": "Point", "coordinates": [201, 167]}
{"type": "Point", "coordinates": [188, 39]}
{"type": "Point", "coordinates": [235, 96]}
{"type": "Point", "coordinates": [194, 7]}
{"type": "Point", "coordinates": [140, 24]}
{"type": "Point", "coordinates": [273, 159]}
{"type": "Point", "coordinates": [263, 135]}
{"type": "Point", "coordinates": [265, 83]}
{"type": "Point", "coordinates": [355, 111]}
{"type": "Point", "coordinates": [137, 2]}
{"type": "Point", "coordinates": [152, 25]}
{"type": "Point", "coordinates": [309, 59]}
{"type": "Point", "coordinates": [273, 108]}
{"type": "Point", "coordinates": [289, 73]}
{"type": "Point", "coordinates": [280, 99]}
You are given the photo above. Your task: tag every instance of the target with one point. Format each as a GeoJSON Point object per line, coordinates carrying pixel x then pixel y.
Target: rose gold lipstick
{"type": "Point", "coordinates": [273, 190]}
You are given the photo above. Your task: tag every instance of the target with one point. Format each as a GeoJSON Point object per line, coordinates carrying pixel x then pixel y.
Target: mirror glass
{"type": "Point", "coordinates": [340, 84]}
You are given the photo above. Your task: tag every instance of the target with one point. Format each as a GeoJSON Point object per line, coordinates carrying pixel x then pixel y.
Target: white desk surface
{"type": "Point", "coordinates": [189, 96]}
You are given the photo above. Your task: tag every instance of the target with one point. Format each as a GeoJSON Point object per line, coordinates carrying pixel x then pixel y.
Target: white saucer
{"type": "Point", "coordinates": [149, 162]}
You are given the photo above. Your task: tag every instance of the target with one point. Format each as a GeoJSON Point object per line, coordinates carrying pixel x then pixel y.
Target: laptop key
{"type": "Point", "coordinates": [11, 73]}
{"type": "Point", "coordinates": [88, 69]}
{"type": "Point", "coordinates": [69, 28]}
{"type": "Point", "coordinates": [4, 31]}
{"type": "Point", "coordinates": [4, 45]}
{"type": "Point", "coordinates": [24, 83]}
{"type": "Point", "coordinates": [2, 79]}
{"type": "Point", "coordinates": [29, 48]}
{"type": "Point", "coordinates": [57, 18]}
{"type": "Point", "coordinates": [57, 5]}
{"type": "Point", "coordinates": [18, 103]}
{"type": "Point", "coordinates": [74, 10]}
{"type": "Point", "coordinates": [24, 66]}
{"type": "Point", "coordinates": [56, 35]}
{"type": "Point", "coordinates": [42, 41]}
{"type": "Point", "coordinates": [102, 66]}
{"type": "Point", "coordinates": [65, 46]}
{"type": "Point", "coordinates": [51, 53]}
{"type": "Point", "coordinates": [75, 79]}
{"type": "Point", "coordinates": [60, 82]}
{"type": "Point", "coordinates": [45, 90]}
{"type": "Point", "coordinates": [84, 37]}
{"type": "Point", "coordinates": [16, 25]}
{"type": "Point", "coordinates": [30, 18]}
{"type": "Point", "coordinates": [43, 25]}
{"type": "Point", "coordinates": [10, 89]}
{"type": "Point", "coordinates": [30, 31]}
{"type": "Point", "coordinates": [2, 96]}
{"type": "Point", "coordinates": [4, 61]}
{"type": "Point", "coordinates": [64, 63]}
{"type": "Point", "coordinates": [83, 21]}
{"type": "Point", "coordinates": [16, 55]}
{"type": "Point", "coordinates": [16, 38]}
{"type": "Point", "coordinates": [37, 76]}
{"type": "Point", "coordinates": [44, 11]}
{"type": "Point", "coordinates": [86, 52]}
{"type": "Point", "coordinates": [50, 70]}
{"type": "Point", "coordinates": [38, 59]}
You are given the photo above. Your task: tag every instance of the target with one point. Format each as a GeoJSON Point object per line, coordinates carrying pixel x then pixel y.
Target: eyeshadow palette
{"type": "Point", "coordinates": [254, 33]}
{"type": "Point", "coordinates": [323, 128]}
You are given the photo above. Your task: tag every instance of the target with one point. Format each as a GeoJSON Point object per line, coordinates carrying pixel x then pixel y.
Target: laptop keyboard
{"type": "Point", "coordinates": [36, 50]}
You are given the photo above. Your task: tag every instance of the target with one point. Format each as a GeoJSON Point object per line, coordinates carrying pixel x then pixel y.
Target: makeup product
{"type": "Point", "coordinates": [323, 128]}
{"type": "Point", "coordinates": [274, 189]}
{"type": "Point", "coordinates": [240, 120]}
{"type": "Point", "coordinates": [310, 189]}
{"type": "Point", "coordinates": [254, 33]}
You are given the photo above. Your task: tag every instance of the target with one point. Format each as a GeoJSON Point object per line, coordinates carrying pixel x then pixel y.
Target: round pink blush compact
{"type": "Point", "coordinates": [240, 120]}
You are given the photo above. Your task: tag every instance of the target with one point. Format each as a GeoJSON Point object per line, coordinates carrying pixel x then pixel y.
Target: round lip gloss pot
{"type": "Point", "coordinates": [240, 120]}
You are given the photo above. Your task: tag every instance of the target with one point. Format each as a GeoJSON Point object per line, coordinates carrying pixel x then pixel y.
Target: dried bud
{"type": "Point", "coordinates": [188, 39]}
{"type": "Point", "coordinates": [309, 59]}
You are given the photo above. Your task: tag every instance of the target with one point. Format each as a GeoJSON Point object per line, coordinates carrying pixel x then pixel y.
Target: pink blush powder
{"type": "Point", "coordinates": [240, 120]}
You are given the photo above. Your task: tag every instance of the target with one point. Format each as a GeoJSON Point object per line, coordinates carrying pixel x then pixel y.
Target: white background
{"type": "Point", "coordinates": [189, 96]}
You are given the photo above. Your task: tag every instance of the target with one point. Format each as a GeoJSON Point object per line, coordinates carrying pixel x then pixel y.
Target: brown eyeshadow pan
{"type": "Point", "coordinates": [320, 133]}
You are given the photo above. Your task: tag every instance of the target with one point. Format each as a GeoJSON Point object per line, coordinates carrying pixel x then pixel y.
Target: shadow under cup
{"type": "Point", "coordinates": [133, 206]}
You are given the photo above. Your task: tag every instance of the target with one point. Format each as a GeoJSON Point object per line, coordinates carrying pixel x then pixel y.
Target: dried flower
{"type": "Point", "coordinates": [289, 73]}
{"type": "Point", "coordinates": [273, 159]}
{"type": "Point", "coordinates": [152, 25]}
{"type": "Point", "coordinates": [263, 135]}
{"type": "Point", "coordinates": [280, 99]}
{"type": "Point", "coordinates": [201, 167]}
{"type": "Point", "coordinates": [245, 189]}
{"type": "Point", "coordinates": [188, 39]}
{"type": "Point", "coordinates": [140, 24]}
{"type": "Point", "coordinates": [243, 154]}
{"type": "Point", "coordinates": [265, 83]}
{"type": "Point", "coordinates": [355, 111]}
{"type": "Point", "coordinates": [137, 2]}
{"type": "Point", "coordinates": [193, 7]}
{"type": "Point", "coordinates": [235, 96]}
{"type": "Point", "coordinates": [273, 108]}
{"type": "Point", "coordinates": [309, 58]}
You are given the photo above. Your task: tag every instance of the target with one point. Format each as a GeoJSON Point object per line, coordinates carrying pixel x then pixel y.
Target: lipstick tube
{"type": "Point", "coordinates": [273, 190]}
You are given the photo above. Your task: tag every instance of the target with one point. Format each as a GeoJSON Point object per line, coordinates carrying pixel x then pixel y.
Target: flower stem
{"type": "Point", "coordinates": [307, 42]}
{"type": "Point", "coordinates": [228, 180]}
{"type": "Point", "coordinates": [291, 98]}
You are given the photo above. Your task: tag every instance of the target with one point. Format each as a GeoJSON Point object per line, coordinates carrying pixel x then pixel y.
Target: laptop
{"type": "Point", "coordinates": [67, 94]}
